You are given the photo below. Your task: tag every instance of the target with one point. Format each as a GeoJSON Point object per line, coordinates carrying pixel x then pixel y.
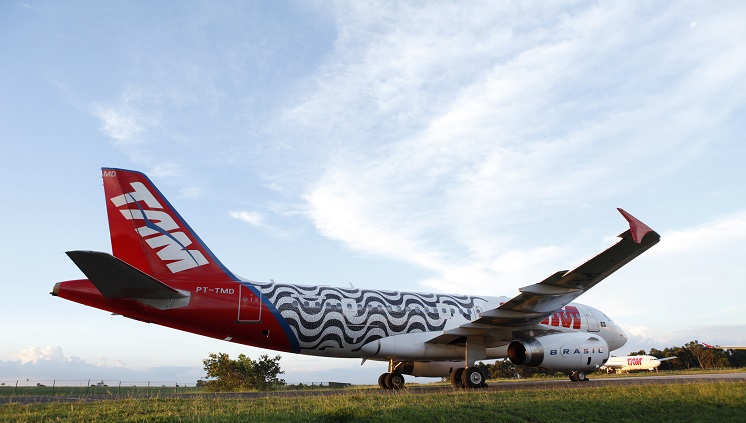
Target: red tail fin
{"type": "Point", "coordinates": [148, 233]}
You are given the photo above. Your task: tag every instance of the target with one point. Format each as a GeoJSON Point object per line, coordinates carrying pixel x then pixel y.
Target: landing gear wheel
{"type": "Point", "coordinates": [382, 381]}
{"type": "Point", "coordinates": [578, 377]}
{"type": "Point", "coordinates": [473, 377]}
{"type": "Point", "coordinates": [395, 381]}
{"type": "Point", "coordinates": [456, 378]}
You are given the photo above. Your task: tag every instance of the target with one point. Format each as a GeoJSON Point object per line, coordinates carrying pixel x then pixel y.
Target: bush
{"type": "Point", "coordinates": [242, 373]}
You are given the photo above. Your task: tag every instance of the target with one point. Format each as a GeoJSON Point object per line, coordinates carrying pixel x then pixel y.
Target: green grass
{"type": "Point", "coordinates": [687, 402]}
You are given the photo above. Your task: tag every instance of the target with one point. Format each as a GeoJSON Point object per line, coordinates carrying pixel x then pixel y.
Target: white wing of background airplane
{"type": "Point", "coordinates": [720, 347]}
{"type": "Point", "coordinates": [538, 301]}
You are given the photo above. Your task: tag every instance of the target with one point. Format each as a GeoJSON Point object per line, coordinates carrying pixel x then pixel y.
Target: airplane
{"type": "Point", "coordinates": [634, 362]}
{"type": "Point", "coordinates": [732, 347]}
{"type": "Point", "coordinates": [161, 272]}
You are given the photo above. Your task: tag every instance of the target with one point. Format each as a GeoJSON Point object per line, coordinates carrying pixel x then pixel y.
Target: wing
{"type": "Point", "coordinates": [728, 347]}
{"type": "Point", "coordinates": [538, 301]}
{"type": "Point", "coordinates": [117, 279]}
{"type": "Point", "coordinates": [667, 358]}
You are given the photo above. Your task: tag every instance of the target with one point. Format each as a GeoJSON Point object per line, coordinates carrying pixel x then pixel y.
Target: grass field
{"type": "Point", "coordinates": [696, 402]}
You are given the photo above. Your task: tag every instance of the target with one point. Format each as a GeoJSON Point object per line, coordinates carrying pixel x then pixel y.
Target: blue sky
{"type": "Point", "coordinates": [433, 146]}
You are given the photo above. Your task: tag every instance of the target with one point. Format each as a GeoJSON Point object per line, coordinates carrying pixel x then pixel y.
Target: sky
{"type": "Point", "coordinates": [469, 148]}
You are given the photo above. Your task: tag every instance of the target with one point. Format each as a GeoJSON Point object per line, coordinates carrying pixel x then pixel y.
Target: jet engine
{"type": "Point", "coordinates": [562, 351]}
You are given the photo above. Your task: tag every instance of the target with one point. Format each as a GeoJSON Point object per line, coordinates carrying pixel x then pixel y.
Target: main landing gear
{"type": "Point", "coordinates": [470, 377]}
{"type": "Point", "coordinates": [392, 379]}
{"type": "Point", "coordinates": [578, 376]}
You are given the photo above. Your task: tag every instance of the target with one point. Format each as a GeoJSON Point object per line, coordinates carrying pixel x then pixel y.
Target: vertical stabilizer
{"type": "Point", "coordinates": [148, 233]}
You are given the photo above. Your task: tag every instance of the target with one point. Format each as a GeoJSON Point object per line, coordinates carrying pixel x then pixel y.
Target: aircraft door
{"type": "Point", "coordinates": [590, 318]}
{"type": "Point", "coordinates": [249, 305]}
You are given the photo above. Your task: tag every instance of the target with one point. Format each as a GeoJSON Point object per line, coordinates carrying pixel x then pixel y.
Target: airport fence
{"type": "Point", "coordinates": [91, 386]}
{"type": "Point", "coordinates": [85, 387]}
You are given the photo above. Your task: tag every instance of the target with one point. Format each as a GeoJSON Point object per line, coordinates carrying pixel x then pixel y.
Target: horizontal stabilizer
{"type": "Point", "coordinates": [117, 279]}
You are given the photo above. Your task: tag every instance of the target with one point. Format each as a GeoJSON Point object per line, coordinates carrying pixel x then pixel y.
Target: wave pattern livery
{"type": "Point", "coordinates": [348, 318]}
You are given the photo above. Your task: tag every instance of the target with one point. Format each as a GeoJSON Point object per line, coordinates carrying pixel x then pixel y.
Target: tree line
{"type": "Point", "coordinates": [224, 374]}
{"type": "Point", "coordinates": [695, 355]}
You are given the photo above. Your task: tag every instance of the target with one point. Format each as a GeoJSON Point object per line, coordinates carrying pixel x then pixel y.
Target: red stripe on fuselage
{"type": "Point", "coordinates": [567, 317]}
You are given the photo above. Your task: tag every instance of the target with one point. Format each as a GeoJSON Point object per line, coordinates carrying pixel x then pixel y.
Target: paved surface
{"type": "Point", "coordinates": [419, 390]}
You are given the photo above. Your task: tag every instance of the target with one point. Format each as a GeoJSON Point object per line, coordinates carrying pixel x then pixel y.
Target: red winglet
{"type": "Point", "coordinates": [637, 228]}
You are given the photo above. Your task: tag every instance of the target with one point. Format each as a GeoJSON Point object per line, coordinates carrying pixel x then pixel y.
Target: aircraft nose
{"type": "Point", "coordinates": [621, 339]}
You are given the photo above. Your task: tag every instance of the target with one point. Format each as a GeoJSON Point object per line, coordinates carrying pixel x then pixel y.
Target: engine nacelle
{"type": "Point", "coordinates": [561, 351]}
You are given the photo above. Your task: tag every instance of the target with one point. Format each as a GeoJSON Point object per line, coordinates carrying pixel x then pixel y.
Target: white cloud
{"type": "Point", "coordinates": [44, 354]}
{"type": "Point", "coordinates": [453, 136]}
{"type": "Point", "coordinates": [261, 221]}
{"type": "Point", "coordinates": [166, 169]}
{"type": "Point", "coordinates": [120, 125]}
{"type": "Point", "coordinates": [645, 338]}
{"type": "Point", "coordinates": [191, 192]}
{"type": "Point", "coordinates": [252, 218]}
{"type": "Point", "coordinates": [50, 363]}
{"type": "Point", "coordinates": [700, 239]}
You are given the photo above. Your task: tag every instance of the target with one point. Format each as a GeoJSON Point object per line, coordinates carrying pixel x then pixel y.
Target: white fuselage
{"type": "Point", "coordinates": [351, 322]}
{"type": "Point", "coordinates": [632, 362]}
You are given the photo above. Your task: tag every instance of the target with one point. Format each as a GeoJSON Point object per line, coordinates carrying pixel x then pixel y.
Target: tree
{"type": "Point", "coordinates": [242, 373]}
{"type": "Point", "coordinates": [707, 358]}
{"type": "Point", "coordinates": [736, 358]}
{"type": "Point", "coordinates": [503, 369]}
{"type": "Point", "coordinates": [485, 369]}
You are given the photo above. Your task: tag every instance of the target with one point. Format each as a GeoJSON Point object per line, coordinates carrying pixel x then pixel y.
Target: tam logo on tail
{"type": "Point", "coordinates": [159, 229]}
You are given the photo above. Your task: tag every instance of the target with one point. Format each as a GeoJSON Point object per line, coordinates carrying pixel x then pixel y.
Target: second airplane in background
{"type": "Point", "coordinates": [634, 362]}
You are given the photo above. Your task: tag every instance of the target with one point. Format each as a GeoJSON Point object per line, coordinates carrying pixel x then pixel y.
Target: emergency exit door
{"type": "Point", "coordinates": [249, 305]}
